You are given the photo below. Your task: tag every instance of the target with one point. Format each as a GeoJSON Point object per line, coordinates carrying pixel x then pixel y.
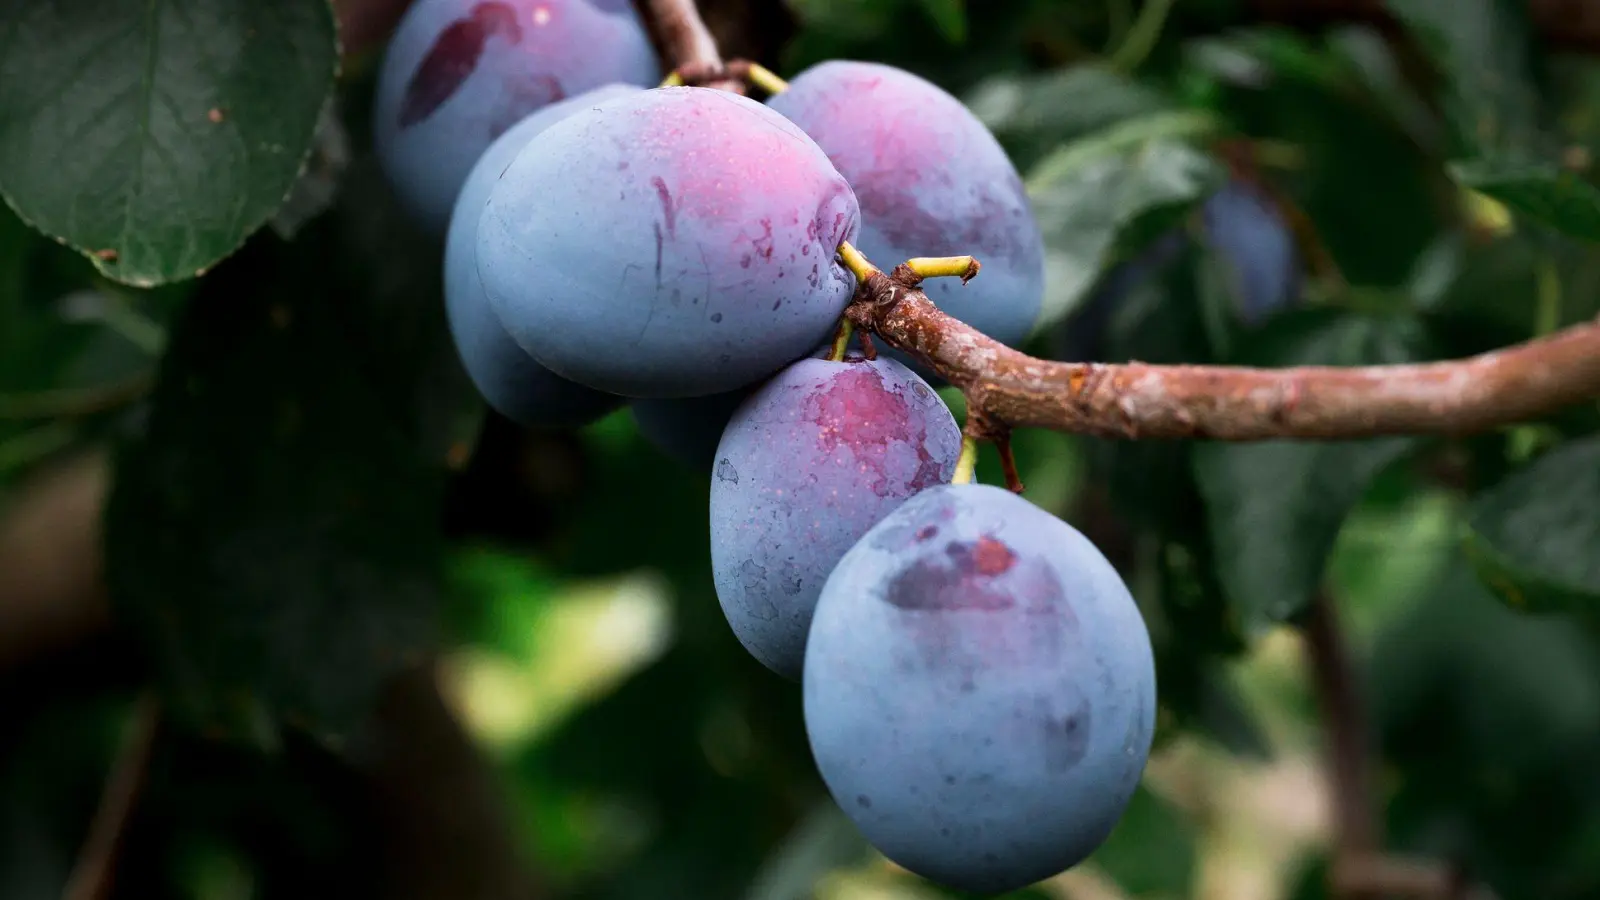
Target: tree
{"type": "Point", "coordinates": [283, 610]}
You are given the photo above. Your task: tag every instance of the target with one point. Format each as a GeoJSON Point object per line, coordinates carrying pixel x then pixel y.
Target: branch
{"type": "Point", "coordinates": [1357, 827]}
{"type": "Point", "coordinates": [684, 37]}
{"type": "Point", "coordinates": [1232, 403]}
{"type": "Point", "coordinates": [96, 866]}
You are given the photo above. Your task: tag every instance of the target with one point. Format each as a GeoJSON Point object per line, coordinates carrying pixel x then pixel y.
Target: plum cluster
{"type": "Point", "coordinates": [978, 684]}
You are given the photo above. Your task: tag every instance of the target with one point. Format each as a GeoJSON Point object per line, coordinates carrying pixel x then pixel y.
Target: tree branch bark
{"type": "Point", "coordinates": [1138, 401]}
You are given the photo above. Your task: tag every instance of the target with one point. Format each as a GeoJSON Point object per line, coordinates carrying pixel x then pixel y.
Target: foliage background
{"type": "Point", "coordinates": [306, 502]}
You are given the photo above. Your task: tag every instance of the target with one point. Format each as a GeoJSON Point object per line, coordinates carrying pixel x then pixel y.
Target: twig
{"type": "Point", "coordinates": [684, 36]}
{"type": "Point", "coordinates": [1357, 828]}
{"type": "Point", "coordinates": [1233, 403]}
{"type": "Point", "coordinates": [95, 868]}
{"type": "Point", "coordinates": [1012, 389]}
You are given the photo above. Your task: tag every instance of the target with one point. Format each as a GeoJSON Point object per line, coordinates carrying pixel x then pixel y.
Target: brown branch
{"type": "Point", "coordinates": [685, 39]}
{"type": "Point", "coordinates": [1231, 403]}
{"type": "Point", "coordinates": [1352, 789]}
{"type": "Point", "coordinates": [96, 865]}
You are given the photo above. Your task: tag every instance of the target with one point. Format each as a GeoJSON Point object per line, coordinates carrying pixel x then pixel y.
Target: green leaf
{"type": "Point", "coordinates": [1151, 852]}
{"type": "Point", "coordinates": [950, 16]}
{"type": "Point", "coordinates": [1535, 538]}
{"type": "Point", "coordinates": [1033, 114]}
{"type": "Point", "coordinates": [155, 137]}
{"type": "Point", "coordinates": [274, 537]}
{"type": "Point", "coordinates": [1547, 194]}
{"type": "Point", "coordinates": [1486, 52]}
{"type": "Point", "coordinates": [1088, 192]}
{"type": "Point", "coordinates": [1275, 508]}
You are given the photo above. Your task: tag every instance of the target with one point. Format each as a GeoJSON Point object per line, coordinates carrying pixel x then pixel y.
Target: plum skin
{"type": "Point", "coordinates": [932, 181]}
{"type": "Point", "coordinates": [459, 73]}
{"type": "Point", "coordinates": [508, 378]}
{"type": "Point", "coordinates": [806, 466]}
{"type": "Point", "coordinates": [676, 243]}
{"type": "Point", "coordinates": [979, 689]}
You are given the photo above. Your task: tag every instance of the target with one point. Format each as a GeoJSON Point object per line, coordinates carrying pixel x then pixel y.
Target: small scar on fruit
{"type": "Point", "coordinates": [107, 255]}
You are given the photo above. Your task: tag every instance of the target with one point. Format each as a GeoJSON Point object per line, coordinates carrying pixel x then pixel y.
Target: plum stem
{"type": "Point", "coordinates": [764, 78]}
{"type": "Point", "coordinates": [673, 79]}
{"type": "Point", "coordinates": [1228, 403]}
{"type": "Point", "coordinates": [963, 267]}
{"type": "Point", "coordinates": [841, 340]}
{"type": "Point", "coordinates": [967, 462]}
{"type": "Point", "coordinates": [858, 264]}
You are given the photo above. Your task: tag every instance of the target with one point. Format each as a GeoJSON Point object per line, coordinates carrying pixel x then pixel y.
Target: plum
{"type": "Point", "coordinates": [674, 243]}
{"type": "Point", "coordinates": [932, 181]}
{"type": "Point", "coordinates": [459, 73]}
{"type": "Point", "coordinates": [979, 689]}
{"type": "Point", "coordinates": [507, 377]}
{"type": "Point", "coordinates": [807, 464]}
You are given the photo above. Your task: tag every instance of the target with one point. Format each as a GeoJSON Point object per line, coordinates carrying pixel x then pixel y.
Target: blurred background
{"type": "Point", "coordinates": [285, 613]}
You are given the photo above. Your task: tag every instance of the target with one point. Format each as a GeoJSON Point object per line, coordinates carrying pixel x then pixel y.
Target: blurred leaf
{"type": "Point", "coordinates": [824, 840]}
{"type": "Point", "coordinates": [1490, 721]}
{"type": "Point", "coordinates": [1295, 495]}
{"type": "Point", "coordinates": [950, 16]}
{"type": "Point", "coordinates": [275, 535]}
{"type": "Point", "coordinates": [1087, 192]}
{"type": "Point", "coordinates": [1033, 114]}
{"type": "Point", "coordinates": [1485, 50]}
{"type": "Point", "coordinates": [1535, 538]}
{"type": "Point", "coordinates": [1546, 194]}
{"type": "Point", "coordinates": [154, 138]}
{"type": "Point", "coordinates": [1151, 852]}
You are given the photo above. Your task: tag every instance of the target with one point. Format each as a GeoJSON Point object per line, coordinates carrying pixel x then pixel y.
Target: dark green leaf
{"type": "Point", "coordinates": [1034, 114]}
{"type": "Point", "coordinates": [1086, 193]}
{"type": "Point", "coordinates": [1485, 50]}
{"type": "Point", "coordinates": [1546, 194]}
{"type": "Point", "coordinates": [1275, 508]}
{"type": "Point", "coordinates": [275, 536]}
{"type": "Point", "coordinates": [950, 16]}
{"type": "Point", "coordinates": [1535, 538]}
{"type": "Point", "coordinates": [155, 137]}
{"type": "Point", "coordinates": [1151, 853]}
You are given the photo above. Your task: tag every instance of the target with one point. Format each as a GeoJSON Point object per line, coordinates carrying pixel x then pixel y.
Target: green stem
{"type": "Point", "coordinates": [841, 340]}
{"type": "Point", "coordinates": [967, 462]}
{"type": "Point", "coordinates": [1142, 36]}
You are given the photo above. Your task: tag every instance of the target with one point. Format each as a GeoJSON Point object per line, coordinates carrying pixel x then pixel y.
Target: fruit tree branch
{"type": "Point", "coordinates": [1139, 401]}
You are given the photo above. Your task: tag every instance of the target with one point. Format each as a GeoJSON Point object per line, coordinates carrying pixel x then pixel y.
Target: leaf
{"type": "Point", "coordinates": [1275, 508]}
{"type": "Point", "coordinates": [1534, 539]}
{"type": "Point", "coordinates": [1034, 114]}
{"type": "Point", "coordinates": [155, 137]}
{"type": "Point", "coordinates": [1486, 52]}
{"type": "Point", "coordinates": [274, 537]}
{"type": "Point", "coordinates": [950, 16]}
{"type": "Point", "coordinates": [1086, 193]}
{"type": "Point", "coordinates": [1546, 194]}
{"type": "Point", "coordinates": [1151, 852]}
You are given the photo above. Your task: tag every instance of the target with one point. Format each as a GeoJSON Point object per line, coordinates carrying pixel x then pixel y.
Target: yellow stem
{"type": "Point", "coordinates": [962, 267]}
{"type": "Point", "coordinates": [673, 80]}
{"type": "Point", "coordinates": [841, 340]}
{"type": "Point", "coordinates": [858, 265]}
{"type": "Point", "coordinates": [967, 462]}
{"type": "Point", "coordinates": [766, 79]}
